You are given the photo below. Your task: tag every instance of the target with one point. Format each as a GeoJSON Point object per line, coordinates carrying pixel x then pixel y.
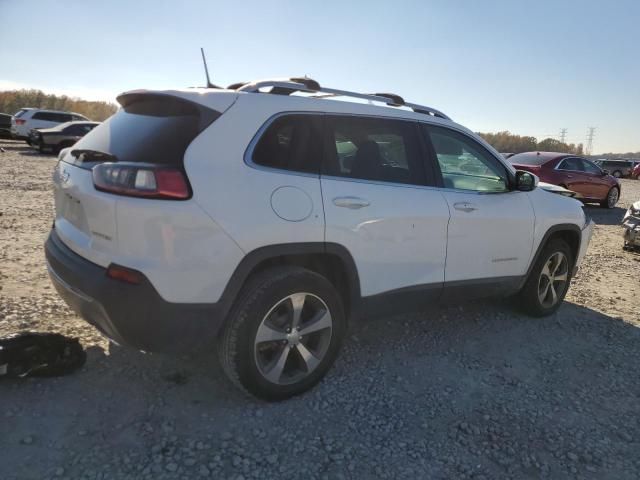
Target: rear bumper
{"type": "Point", "coordinates": [132, 315]}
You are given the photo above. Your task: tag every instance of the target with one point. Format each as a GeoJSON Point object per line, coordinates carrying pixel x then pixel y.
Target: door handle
{"type": "Point", "coordinates": [569, 176]}
{"type": "Point", "coordinates": [465, 207]}
{"type": "Point", "coordinates": [350, 202]}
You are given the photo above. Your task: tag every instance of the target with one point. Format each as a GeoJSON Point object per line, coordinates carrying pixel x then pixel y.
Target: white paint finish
{"type": "Point", "coordinates": [553, 209]}
{"type": "Point", "coordinates": [187, 257]}
{"type": "Point", "coordinates": [238, 196]}
{"type": "Point", "coordinates": [291, 203]}
{"type": "Point", "coordinates": [491, 238]}
{"type": "Point", "coordinates": [398, 240]}
{"type": "Point", "coordinates": [81, 211]}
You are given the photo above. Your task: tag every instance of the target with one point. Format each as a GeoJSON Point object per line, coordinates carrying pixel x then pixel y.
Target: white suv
{"type": "Point", "coordinates": [263, 216]}
{"type": "Point", "coordinates": [28, 118]}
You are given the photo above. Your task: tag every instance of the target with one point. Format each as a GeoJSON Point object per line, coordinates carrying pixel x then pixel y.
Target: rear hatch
{"type": "Point", "coordinates": [150, 131]}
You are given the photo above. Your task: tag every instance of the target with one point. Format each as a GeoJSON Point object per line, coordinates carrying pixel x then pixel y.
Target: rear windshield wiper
{"type": "Point", "coordinates": [89, 155]}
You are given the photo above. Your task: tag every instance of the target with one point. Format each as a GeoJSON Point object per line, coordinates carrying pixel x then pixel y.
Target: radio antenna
{"type": "Point", "coordinates": [206, 70]}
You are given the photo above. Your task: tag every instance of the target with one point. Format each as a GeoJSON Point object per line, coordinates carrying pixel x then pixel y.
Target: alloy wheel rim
{"type": "Point", "coordinates": [613, 197]}
{"type": "Point", "coordinates": [553, 279]}
{"type": "Point", "coordinates": [293, 338]}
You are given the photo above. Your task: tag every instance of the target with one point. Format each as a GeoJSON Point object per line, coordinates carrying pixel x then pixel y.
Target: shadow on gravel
{"type": "Point", "coordinates": [606, 216]}
{"type": "Point", "coordinates": [474, 388]}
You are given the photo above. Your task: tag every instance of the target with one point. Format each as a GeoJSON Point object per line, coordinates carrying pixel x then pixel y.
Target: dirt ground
{"type": "Point", "coordinates": [471, 391]}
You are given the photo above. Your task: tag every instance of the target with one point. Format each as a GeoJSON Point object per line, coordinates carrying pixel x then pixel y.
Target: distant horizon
{"type": "Point", "coordinates": [492, 66]}
{"type": "Point", "coordinates": [98, 97]}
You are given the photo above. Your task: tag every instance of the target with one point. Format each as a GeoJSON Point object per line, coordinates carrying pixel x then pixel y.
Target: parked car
{"type": "Point", "coordinates": [636, 171]}
{"type": "Point", "coordinates": [5, 125]}
{"type": "Point", "coordinates": [27, 118]}
{"type": "Point", "coordinates": [209, 216]}
{"type": "Point", "coordinates": [59, 137]}
{"type": "Point", "coordinates": [617, 168]}
{"type": "Point", "coordinates": [631, 226]}
{"type": "Point", "coordinates": [578, 174]}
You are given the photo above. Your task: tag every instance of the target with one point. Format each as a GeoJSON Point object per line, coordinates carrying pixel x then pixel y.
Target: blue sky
{"type": "Point", "coordinates": [528, 67]}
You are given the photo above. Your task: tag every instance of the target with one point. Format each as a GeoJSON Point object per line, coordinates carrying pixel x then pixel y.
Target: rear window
{"type": "Point", "coordinates": [19, 113]}
{"type": "Point", "coordinates": [528, 159]}
{"type": "Point", "coordinates": [149, 129]}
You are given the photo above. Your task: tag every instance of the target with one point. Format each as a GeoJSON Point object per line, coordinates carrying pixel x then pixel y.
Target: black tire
{"type": "Point", "coordinates": [529, 295]}
{"type": "Point", "coordinates": [236, 348]}
{"type": "Point", "coordinates": [607, 203]}
{"type": "Point", "coordinates": [41, 148]}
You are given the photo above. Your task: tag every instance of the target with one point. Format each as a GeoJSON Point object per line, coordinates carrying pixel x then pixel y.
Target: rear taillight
{"type": "Point", "coordinates": [141, 181]}
{"type": "Point", "coordinates": [124, 274]}
{"type": "Point", "coordinates": [20, 122]}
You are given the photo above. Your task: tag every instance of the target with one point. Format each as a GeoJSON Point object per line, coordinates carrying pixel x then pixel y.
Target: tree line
{"type": "Point", "coordinates": [508, 142]}
{"type": "Point", "coordinates": [13, 100]}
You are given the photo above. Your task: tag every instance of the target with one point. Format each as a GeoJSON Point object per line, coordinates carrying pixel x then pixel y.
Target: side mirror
{"type": "Point", "coordinates": [525, 181]}
{"type": "Point", "coordinates": [605, 172]}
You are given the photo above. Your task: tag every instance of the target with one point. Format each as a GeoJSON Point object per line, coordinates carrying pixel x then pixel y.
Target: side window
{"type": "Point", "coordinates": [62, 117]}
{"type": "Point", "coordinates": [40, 116]}
{"type": "Point", "coordinates": [571, 163]}
{"type": "Point", "coordinates": [74, 130]}
{"type": "Point", "coordinates": [465, 164]}
{"type": "Point", "coordinates": [291, 142]}
{"type": "Point", "coordinates": [590, 167]}
{"type": "Point", "coordinates": [373, 149]}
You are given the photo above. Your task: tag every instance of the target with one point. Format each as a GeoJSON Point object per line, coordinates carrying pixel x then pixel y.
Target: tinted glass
{"type": "Point", "coordinates": [465, 164]}
{"type": "Point", "coordinates": [150, 128]}
{"type": "Point", "coordinates": [291, 142]}
{"type": "Point", "coordinates": [570, 164]}
{"type": "Point", "coordinates": [590, 167]}
{"type": "Point", "coordinates": [19, 113]}
{"type": "Point", "coordinates": [528, 159]}
{"type": "Point", "coordinates": [373, 149]}
{"type": "Point", "coordinates": [52, 117]}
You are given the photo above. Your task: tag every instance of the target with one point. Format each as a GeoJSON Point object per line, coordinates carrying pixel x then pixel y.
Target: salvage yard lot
{"type": "Point", "coordinates": [472, 391]}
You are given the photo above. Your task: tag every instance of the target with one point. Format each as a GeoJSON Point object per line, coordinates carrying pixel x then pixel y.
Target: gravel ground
{"type": "Point", "coordinates": [472, 391]}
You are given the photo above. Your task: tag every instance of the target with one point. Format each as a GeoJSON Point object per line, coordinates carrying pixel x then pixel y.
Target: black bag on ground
{"type": "Point", "coordinates": [39, 355]}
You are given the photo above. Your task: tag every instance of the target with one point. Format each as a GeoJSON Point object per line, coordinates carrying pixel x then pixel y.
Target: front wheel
{"type": "Point", "coordinates": [548, 280]}
{"type": "Point", "coordinates": [611, 199]}
{"type": "Point", "coordinates": [283, 334]}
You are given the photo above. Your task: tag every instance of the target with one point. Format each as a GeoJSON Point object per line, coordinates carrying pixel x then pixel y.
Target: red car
{"type": "Point", "coordinates": [636, 172]}
{"type": "Point", "coordinates": [589, 181]}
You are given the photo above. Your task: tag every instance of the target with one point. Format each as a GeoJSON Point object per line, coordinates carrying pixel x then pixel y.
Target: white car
{"type": "Point", "coordinates": [26, 119]}
{"type": "Point", "coordinates": [258, 219]}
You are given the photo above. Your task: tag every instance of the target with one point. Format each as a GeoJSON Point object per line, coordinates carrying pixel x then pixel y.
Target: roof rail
{"type": "Point", "coordinates": [287, 86]}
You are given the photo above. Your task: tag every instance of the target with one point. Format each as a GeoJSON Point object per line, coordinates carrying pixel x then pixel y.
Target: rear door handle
{"type": "Point", "coordinates": [465, 207]}
{"type": "Point", "coordinates": [350, 202]}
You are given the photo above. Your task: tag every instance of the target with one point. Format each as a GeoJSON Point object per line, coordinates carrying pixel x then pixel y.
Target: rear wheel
{"type": "Point", "coordinates": [611, 199]}
{"type": "Point", "coordinates": [549, 280]}
{"type": "Point", "coordinates": [283, 334]}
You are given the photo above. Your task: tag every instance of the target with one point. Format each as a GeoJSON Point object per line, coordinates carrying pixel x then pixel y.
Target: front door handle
{"type": "Point", "coordinates": [350, 202]}
{"type": "Point", "coordinates": [465, 207]}
{"type": "Point", "coordinates": [569, 176]}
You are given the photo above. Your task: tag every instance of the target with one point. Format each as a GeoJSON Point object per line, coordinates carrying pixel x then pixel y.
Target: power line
{"type": "Point", "coordinates": [590, 135]}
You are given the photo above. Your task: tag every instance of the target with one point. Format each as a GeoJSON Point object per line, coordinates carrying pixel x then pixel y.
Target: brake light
{"type": "Point", "coordinates": [141, 181]}
{"type": "Point", "coordinates": [20, 122]}
{"type": "Point", "coordinates": [124, 274]}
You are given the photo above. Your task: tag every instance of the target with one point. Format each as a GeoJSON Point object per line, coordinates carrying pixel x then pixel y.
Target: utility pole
{"type": "Point", "coordinates": [563, 135]}
{"type": "Point", "coordinates": [590, 135]}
